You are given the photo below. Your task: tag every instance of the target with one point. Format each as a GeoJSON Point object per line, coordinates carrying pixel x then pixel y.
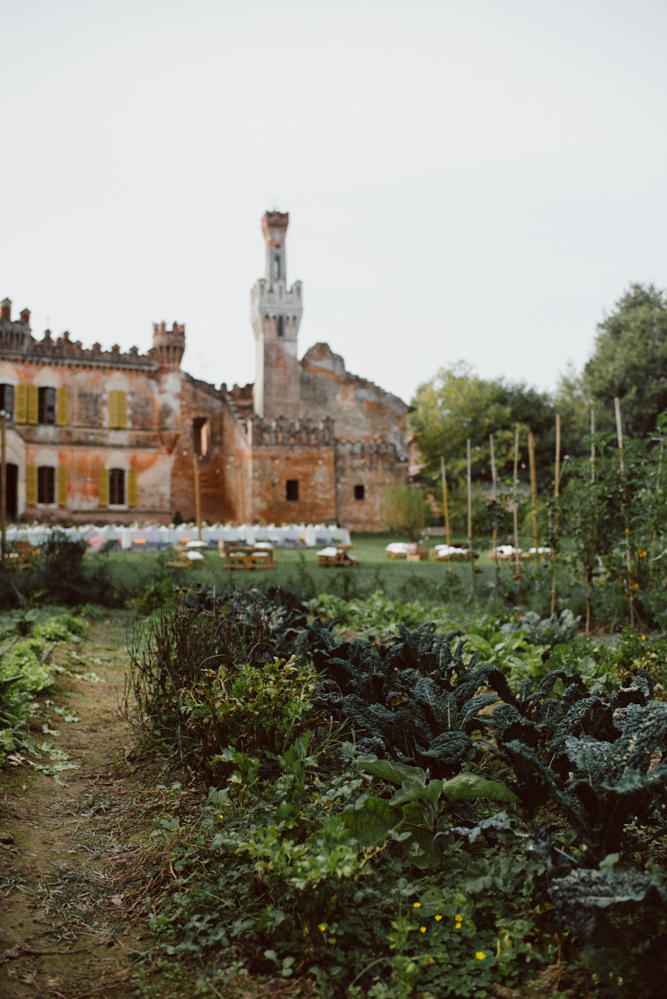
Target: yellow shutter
{"type": "Point", "coordinates": [61, 406]}
{"type": "Point", "coordinates": [33, 403]}
{"type": "Point", "coordinates": [21, 404]}
{"type": "Point", "coordinates": [132, 487]}
{"type": "Point", "coordinates": [31, 485]}
{"type": "Point", "coordinates": [104, 487]}
{"type": "Point", "coordinates": [62, 485]}
{"type": "Point", "coordinates": [113, 409]}
{"type": "Point", "coordinates": [122, 410]}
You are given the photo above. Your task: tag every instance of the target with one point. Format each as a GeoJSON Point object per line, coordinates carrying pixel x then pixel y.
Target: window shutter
{"type": "Point", "coordinates": [122, 410]}
{"type": "Point", "coordinates": [21, 414]}
{"type": "Point", "coordinates": [31, 485]}
{"type": "Point", "coordinates": [103, 487]}
{"type": "Point", "coordinates": [33, 404]}
{"type": "Point", "coordinates": [62, 485]}
{"type": "Point", "coordinates": [61, 407]}
{"type": "Point", "coordinates": [132, 487]}
{"type": "Point", "coordinates": [113, 409]}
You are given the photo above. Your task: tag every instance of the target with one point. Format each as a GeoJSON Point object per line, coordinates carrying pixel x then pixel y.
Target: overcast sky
{"type": "Point", "coordinates": [475, 179]}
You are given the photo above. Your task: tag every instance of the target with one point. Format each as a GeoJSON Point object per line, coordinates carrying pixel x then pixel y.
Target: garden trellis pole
{"type": "Point", "coordinates": [628, 554]}
{"type": "Point", "coordinates": [3, 483]}
{"type": "Point", "coordinates": [556, 494]}
{"type": "Point", "coordinates": [445, 506]}
{"type": "Point", "coordinates": [533, 493]}
{"type": "Point", "coordinates": [517, 570]}
{"type": "Point", "coordinates": [195, 460]}
{"type": "Point", "coordinates": [592, 446]}
{"type": "Point", "coordinates": [494, 497]}
{"type": "Point", "coordinates": [472, 567]}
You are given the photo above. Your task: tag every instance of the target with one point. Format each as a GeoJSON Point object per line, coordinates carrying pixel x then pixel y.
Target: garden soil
{"type": "Point", "coordinates": [72, 902]}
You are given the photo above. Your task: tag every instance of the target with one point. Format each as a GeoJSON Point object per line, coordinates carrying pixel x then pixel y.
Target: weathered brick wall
{"type": "Point", "coordinates": [374, 466]}
{"type": "Point", "coordinates": [312, 467]}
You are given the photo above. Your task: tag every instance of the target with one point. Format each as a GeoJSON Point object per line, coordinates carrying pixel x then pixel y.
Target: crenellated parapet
{"type": "Point", "coordinates": [168, 346]}
{"type": "Point", "coordinates": [282, 432]}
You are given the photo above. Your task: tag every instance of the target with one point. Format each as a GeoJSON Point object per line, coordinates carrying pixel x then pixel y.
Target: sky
{"type": "Point", "coordinates": [466, 179]}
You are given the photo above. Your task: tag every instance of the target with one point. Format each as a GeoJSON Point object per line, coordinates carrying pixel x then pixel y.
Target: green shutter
{"type": "Point", "coordinates": [113, 409]}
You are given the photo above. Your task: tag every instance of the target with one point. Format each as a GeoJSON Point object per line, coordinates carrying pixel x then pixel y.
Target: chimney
{"type": "Point", "coordinates": [25, 317]}
{"type": "Point", "coordinates": [6, 310]}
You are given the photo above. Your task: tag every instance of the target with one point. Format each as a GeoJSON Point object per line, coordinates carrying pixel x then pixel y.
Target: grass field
{"type": "Point", "coordinates": [298, 568]}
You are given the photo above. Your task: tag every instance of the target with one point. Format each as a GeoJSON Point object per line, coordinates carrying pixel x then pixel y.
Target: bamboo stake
{"type": "Point", "coordinates": [589, 580]}
{"type": "Point", "coordinates": [195, 460]}
{"type": "Point", "coordinates": [494, 496]}
{"type": "Point", "coordinates": [3, 484]}
{"type": "Point", "coordinates": [659, 492]}
{"type": "Point", "coordinates": [533, 493]}
{"type": "Point", "coordinates": [517, 571]}
{"type": "Point", "coordinates": [556, 494]}
{"type": "Point", "coordinates": [472, 567]}
{"type": "Point", "coordinates": [445, 506]}
{"type": "Point", "coordinates": [619, 433]}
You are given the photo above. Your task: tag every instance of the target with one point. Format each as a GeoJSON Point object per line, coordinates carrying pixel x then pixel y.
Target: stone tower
{"type": "Point", "coordinates": [168, 346]}
{"type": "Point", "coordinates": [276, 311]}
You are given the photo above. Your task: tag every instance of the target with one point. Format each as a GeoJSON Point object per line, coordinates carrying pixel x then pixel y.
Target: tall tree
{"type": "Point", "coordinates": [630, 361]}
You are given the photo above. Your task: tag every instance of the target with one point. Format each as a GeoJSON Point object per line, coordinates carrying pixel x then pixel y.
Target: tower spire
{"type": "Point", "coordinates": [276, 312]}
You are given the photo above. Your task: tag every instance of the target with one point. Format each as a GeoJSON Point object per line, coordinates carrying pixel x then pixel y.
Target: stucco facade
{"type": "Point", "coordinates": [96, 435]}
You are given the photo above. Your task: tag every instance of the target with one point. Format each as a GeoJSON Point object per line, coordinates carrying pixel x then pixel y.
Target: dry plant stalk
{"type": "Point", "coordinates": [628, 552]}
{"type": "Point", "coordinates": [469, 476]}
{"type": "Point", "coordinates": [556, 494]}
{"type": "Point", "coordinates": [533, 491]}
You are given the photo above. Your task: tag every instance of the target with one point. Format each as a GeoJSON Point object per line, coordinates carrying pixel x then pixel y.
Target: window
{"type": "Point", "coordinates": [7, 400]}
{"type": "Point", "coordinates": [46, 484]}
{"type": "Point", "coordinates": [116, 487]}
{"type": "Point", "coordinates": [292, 493]}
{"type": "Point", "coordinates": [281, 327]}
{"type": "Point", "coordinates": [46, 405]}
{"type": "Point", "coordinates": [201, 430]}
{"type": "Point", "coordinates": [360, 492]}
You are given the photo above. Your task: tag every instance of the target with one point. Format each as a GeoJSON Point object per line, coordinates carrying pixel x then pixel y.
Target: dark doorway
{"type": "Point", "coordinates": [12, 491]}
{"type": "Point", "coordinates": [292, 491]}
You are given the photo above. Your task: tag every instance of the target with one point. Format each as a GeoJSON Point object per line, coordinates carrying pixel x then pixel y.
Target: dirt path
{"type": "Point", "coordinates": [64, 838]}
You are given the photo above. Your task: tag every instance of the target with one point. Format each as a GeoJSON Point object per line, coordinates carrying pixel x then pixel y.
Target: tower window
{"type": "Point", "coordinates": [7, 400]}
{"type": "Point", "coordinates": [360, 492]}
{"type": "Point", "coordinates": [276, 266]}
{"type": "Point", "coordinates": [281, 326]}
{"type": "Point", "coordinates": [46, 484]}
{"type": "Point", "coordinates": [116, 487]}
{"type": "Point", "coordinates": [292, 491]}
{"type": "Point", "coordinates": [46, 406]}
{"type": "Point", "coordinates": [201, 432]}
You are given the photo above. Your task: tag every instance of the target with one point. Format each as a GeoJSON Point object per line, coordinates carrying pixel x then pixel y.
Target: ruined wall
{"type": "Point", "coordinates": [361, 409]}
{"type": "Point", "coordinates": [312, 467]}
{"type": "Point", "coordinates": [374, 466]}
{"type": "Point", "coordinates": [199, 427]}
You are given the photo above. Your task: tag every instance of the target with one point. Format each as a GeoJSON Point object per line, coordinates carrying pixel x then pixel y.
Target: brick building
{"type": "Point", "coordinates": [104, 436]}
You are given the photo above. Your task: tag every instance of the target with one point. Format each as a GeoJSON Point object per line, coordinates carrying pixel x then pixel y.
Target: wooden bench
{"type": "Point", "coordinates": [20, 556]}
{"type": "Point", "coordinates": [417, 553]}
{"type": "Point", "coordinates": [338, 558]}
{"type": "Point", "coordinates": [248, 557]}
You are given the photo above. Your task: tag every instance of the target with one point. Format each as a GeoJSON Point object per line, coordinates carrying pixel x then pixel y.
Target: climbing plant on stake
{"type": "Point", "coordinates": [628, 551]}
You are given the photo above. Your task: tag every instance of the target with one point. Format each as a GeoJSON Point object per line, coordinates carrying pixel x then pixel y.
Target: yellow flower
{"type": "Point", "coordinates": [480, 955]}
{"type": "Point", "coordinates": [458, 916]}
{"type": "Point", "coordinates": [322, 926]}
{"type": "Point", "coordinates": [643, 638]}
{"type": "Point", "coordinates": [437, 918]}
{"type": "Point", "coordinates": [422, 929]}
{"type": "Point", "coordinates": [416, 905]}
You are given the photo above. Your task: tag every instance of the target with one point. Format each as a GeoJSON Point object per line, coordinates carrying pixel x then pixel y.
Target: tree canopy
{"type": "Point", "coordinates": [630, 361]}
{"type": "Point", "coordinates": [456, 405]}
